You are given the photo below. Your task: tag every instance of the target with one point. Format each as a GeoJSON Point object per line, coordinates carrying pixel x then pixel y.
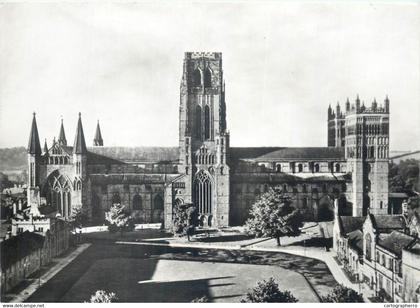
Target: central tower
{"type": "Point", "coordinates": [203, 139]}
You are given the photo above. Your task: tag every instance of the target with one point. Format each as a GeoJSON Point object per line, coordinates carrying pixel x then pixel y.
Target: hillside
{"type": "Point", "coordinates": [13, 159]}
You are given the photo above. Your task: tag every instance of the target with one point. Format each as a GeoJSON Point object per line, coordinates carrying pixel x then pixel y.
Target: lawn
{"type": "Point", "coordinates": [153, 280]}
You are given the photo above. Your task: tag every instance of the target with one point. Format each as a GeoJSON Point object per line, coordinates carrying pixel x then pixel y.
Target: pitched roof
{"type": "Point", "coordinates": [414, 248]}
{"type": "Point", "coordinates": [351, 223]}
{"type": "Point", "coordinates": [290, 153]}
{"type": "Point", "coordinates": [79, 142]}
{"type": "Point", "coordinates": [138, 154]}
{"type": "Point", "coordinates": [131, 178]}
{"type": "Point", "coordinates": [388, 221]}
{"type": "Point", "coordinates": [62, 136]}
{"type": "Point", "coordinates": [34, 147]}
{"type": "Point", "coordinates": [395, 241]}
{"type": "Point", "coordinates": [18, 247]}
{"type": "Point", "coordinates": [355, 239]}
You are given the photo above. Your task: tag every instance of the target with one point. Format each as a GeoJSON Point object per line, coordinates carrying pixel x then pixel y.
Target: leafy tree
{"type": "Point", "coordinates": [119, 219]}
{"type": "Point", "coordinates": [4, 181]}
{"type": "Point", "coordinates": [272, 215]}
{"type": "Point", "coordinates": [404, 175]}
{"type": "Point", "coordinates": [342, 294]}
{"type": "Point", "coordinates": [268, 292]}
{"type": "Point", "coordinates": [203, 299]}
{"type": "Point", "coordinates": [102, 296]}
{"type": "Point", "coordinates": [78, 218]}
{"type": "Point", "coordinates": [185, 219]}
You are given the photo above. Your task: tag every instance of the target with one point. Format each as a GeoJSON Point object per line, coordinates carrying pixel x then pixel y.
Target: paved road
{"type": "Point", "coordinates": [314, 271]}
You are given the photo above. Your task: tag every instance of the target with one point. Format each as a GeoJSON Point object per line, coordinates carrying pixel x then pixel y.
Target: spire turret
{"type": "Point", "coordinates": [347, 105]}
{"type": "Point", "coordinates": [330, 113]}
{"type": "Point", "coordinates": [45, 147]}
{"type": "Point", "coordinates": [62, 136]}
{"type": "Point", "coordinates": [386, 104]}
{"type": "Point", "coordinates": [374, 105]}
{"type": "Point", "coordinates": [338, 110]}
{"type": "Point", "coordinates": [79, 142]}
{"type": "Point", "coordinates": [98, 141]}
{"type": "Point", "coordinates": [357, 103]}
{"type": "Point", "coordinates": [34, 146]}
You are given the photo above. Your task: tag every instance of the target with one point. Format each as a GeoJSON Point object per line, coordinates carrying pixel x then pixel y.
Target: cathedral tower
{"type": "Point", "coordinates": [203, 138]}
{"type": "Point", "coordinates": [367, 154]}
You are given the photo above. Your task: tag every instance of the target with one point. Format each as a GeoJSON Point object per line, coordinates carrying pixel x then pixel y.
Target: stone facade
{"type": "Point", "coordinates": [222, 181]}
{"type": "Point", "coordinates": [380, 252]}
{"type": "Point", "coordinates": [34, 242]}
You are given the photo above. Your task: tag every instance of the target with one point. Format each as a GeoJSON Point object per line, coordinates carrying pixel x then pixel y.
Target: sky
{"type": "Point", "coordinates": [284, 63]}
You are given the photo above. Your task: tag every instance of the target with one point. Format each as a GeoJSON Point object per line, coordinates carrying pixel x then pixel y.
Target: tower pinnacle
{"type": "Point", "coordinates": [34, 146]}
{"type": "Point", "coordinates": [98, 141]}
{"type": "Point", "coordinates": [62, 136]}
{"type": "Point", "coordinates": [79, 141]}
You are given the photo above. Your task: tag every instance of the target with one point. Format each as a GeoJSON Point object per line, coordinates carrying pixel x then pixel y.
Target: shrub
{"type": "Point", "coordinates": [102, 296]}
{"type": "Point", "coordinates": [342, 294]}
{"type": "Point", "coordinates": [268, 292]}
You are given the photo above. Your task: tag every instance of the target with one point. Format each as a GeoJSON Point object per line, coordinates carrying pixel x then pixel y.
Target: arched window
{"type": "Point", "coordinates": [368, 246]}
{"type": "Point", "coordinates": [57, 192]}
{"type": "Point", "coordinates": [316, 167]}
{"type": "Point", "coordinates": [207, 78]}
{"type": "Point", "coordinates": [300, 168]}
{"type": "Point", "coordinates": [137, 202]}
{"type": "Point", "coordinates": [292, 167]}
{"type": "Point", "coordinates": [278, 168]}
{"type": "Point", "coordinates": [337, 167]}
{"type": "Point", "coordinates": [207, 122]}
{"type": "Point", "coordinates": [158, 203]}
{"type": "Point", "coordinates": [202, 192]}
{"type": "Point", "coordinates": [284, 187]}
{"type": "Point", "coordinates": [198, 122]}
{"type": "Point", "coordinates": [116, 199]}
{"type": "Point", "coordinates": [197, 78]}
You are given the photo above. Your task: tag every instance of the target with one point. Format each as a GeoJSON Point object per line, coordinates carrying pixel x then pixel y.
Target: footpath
{"type": "Point", "coordinates": [37, 282]}
{"type": "Point", "coordinates": [269, 245]}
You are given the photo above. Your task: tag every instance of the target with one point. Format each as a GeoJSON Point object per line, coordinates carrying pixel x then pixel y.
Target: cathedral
{"type": "Point", "coordinates": [221, 181]}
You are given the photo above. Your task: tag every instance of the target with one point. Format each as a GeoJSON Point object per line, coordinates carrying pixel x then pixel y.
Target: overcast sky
{"type": "Point", "coordinates": [283, 64]}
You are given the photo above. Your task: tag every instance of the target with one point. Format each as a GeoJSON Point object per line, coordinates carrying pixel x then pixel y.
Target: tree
{"type": "Point", "coordinates": [342, 294]}
{"type": "Point", "coordinates": [102, 296]}
{"type": "Point", "coordinates": [273, 216]}
{"type": "Point", "coordinates": [203, 299]}
{"type": "Point", "coordinates": [268, 292]}
{"type": "Point", "coordinates": [404, 175]}
{"type": "Point", "coordinates": [185, 219]}
{"type": "Point", "coordinates": [78, 218]}
{"type": "Point", "coordinates": [119, 219]}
